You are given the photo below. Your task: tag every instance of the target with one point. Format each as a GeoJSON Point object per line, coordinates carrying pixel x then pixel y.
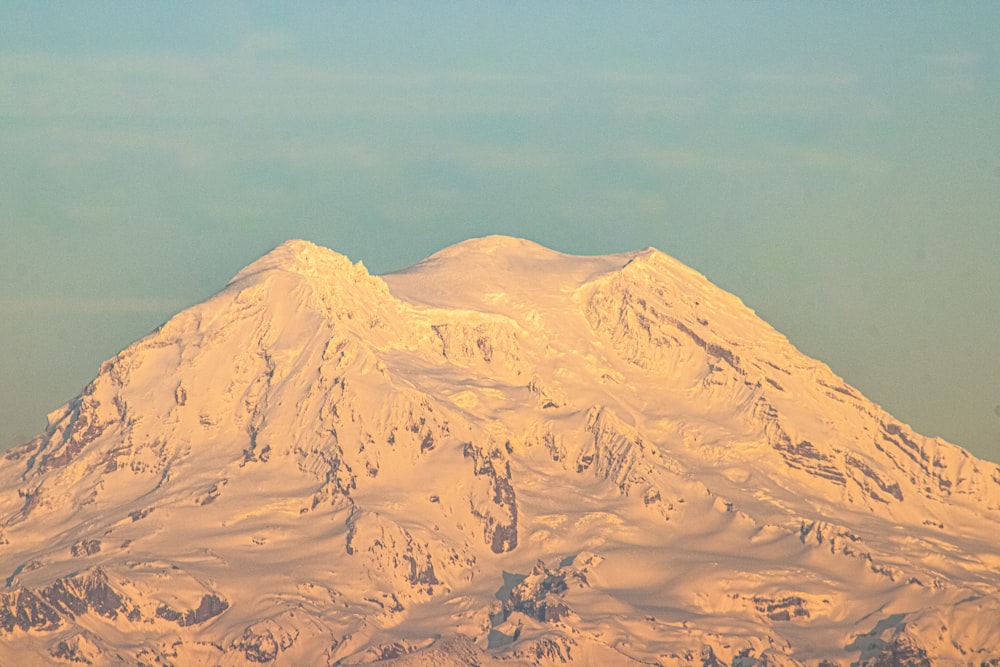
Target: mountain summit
{"type": "Point", "coordinates": [501, 455]}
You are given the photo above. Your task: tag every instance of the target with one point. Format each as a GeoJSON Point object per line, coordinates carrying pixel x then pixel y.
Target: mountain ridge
{"type": "Point", "coordinates": [613, 432]}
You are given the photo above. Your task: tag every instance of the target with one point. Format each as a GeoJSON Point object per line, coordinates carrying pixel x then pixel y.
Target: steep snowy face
{"type": "Point", "coordinates": [686, 358]}
{"type": "Point", "coordinates": [501, 453]}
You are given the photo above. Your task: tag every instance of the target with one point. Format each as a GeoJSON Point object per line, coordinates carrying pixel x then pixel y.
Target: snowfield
{"type": "Point", "coordinates": [502, 455]}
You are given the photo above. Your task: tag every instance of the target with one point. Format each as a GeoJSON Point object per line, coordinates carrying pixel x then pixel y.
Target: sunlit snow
{"type": "Point", "coordinates": [501, 455]}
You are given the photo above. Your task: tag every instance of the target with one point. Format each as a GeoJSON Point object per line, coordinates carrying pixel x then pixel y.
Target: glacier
{"type": "Point", "coordinates": [500, 455]}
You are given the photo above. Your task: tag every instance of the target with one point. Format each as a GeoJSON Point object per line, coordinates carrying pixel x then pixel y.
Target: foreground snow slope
{"type": "Point", "coordinates": [501, 455]}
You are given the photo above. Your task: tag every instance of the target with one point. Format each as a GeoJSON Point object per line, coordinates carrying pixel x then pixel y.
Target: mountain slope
{"type": "Point", "coordinates": [502, 454]}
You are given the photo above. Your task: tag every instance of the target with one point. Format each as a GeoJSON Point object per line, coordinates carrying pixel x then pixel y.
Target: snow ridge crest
{"type": "Point", "coordinates": [305, 258]}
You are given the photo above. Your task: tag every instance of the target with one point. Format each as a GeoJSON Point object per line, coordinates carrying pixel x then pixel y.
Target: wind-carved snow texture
{"type": "Point", "coordinates": [501, 455]}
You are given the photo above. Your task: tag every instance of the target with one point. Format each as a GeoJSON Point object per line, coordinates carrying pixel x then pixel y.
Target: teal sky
{"type": "Point", "coordinates": [836, 165]}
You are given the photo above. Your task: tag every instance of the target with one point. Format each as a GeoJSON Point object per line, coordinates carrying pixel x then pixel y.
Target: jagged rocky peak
{"type": "Point", "coordinates": [302, 257]}
{"type": "Point", "coordinates": [334, 283]}
{"type": "Point", "coordinates": [302, 276]}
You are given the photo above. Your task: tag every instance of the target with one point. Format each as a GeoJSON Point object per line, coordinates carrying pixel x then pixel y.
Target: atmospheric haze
{"type": "Point", "coordinates": [834, 165]}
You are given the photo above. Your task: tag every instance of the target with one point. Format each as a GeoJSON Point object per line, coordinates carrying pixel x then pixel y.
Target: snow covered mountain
{"type": "Point", "coordinates": [501, 455]}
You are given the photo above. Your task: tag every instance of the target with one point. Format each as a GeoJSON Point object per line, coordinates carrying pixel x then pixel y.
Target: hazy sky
{"type": "Point", "coordinates": [836, 165]}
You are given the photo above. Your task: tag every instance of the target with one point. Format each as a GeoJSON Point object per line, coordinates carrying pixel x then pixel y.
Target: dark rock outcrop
{"type": "Point", "coordinates": [47, 608]}
{"type": "Point", "coordinates": [211, 606]}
